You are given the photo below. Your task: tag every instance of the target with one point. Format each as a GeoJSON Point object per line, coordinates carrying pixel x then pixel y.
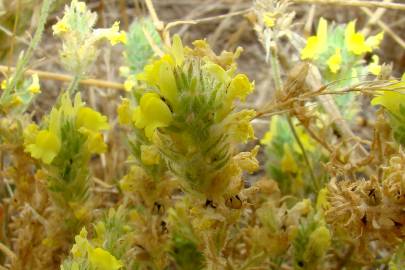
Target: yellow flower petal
{"type": "Point", "coordinates": [152, 113]}
{"type": "Point", "coordinates": [34, 87]}
{"type": "Point", "coordinates": [101, 259]}
{"type": "Point", "coordinates": [269, 19]}
{"type": "Point", "coordinates": [240, 87]}
{"type": "Point", "coordinates": [124, 112]}
{"type": "Point", "coordinates": [46, 147]}
{"type": "Point", "coordinates": [355, 42]}
{"type": "Point", "coordinates": [374, 41]}
{"type": "Point", "coordinates": [335, 61]}
{"type": "Point", "coordinates": [374, 67]}
{"type": "Point", "coordinates": [60, 28]}
{"type": "Point", "coordinates": [316, 44]}
{"type": "Point", "coordinates": [95, 143]}
{"type": "Point", "coordinates": [91, 120]}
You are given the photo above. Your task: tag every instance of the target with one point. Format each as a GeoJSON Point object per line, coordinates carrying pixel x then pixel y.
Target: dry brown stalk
{"type": "Point", "coordinates": [45, 75]}
{"type": "Point", "coordinates": [355, 3]}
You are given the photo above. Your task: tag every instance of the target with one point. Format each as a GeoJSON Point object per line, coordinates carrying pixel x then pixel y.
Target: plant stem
{"type": "Point", "coordinates": [278, 83]}
{"type": "Point", "coordinates": [19, 70]}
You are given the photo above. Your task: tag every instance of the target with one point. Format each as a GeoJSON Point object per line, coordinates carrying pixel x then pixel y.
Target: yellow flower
{"type": "Point", "coordinates": [152, 113]}
{"type": "Point", "coordinates": [316, 44]}
{"type": "Point", "coordinates": [101, 259]}
{"type": "Point", "coordinates": [335, 61]}
{"type": "Point", "coordinates": [124, 112]}
{"type": "Point", "coordinates": [91, 120]}
{"type": "Point", "coordinates": [30, 133]}
{"type": "Point", "coordinates": [240, 87]}
{"type": "Point", "coordinates": [288, 163]}
{"type": "Point", "coordinates": [374, 41]}
{"type": "Point", "coordinates": [355, 42]}
{"type": "Point", "coordinates": [374, 67]}
{"type": "Point", "coordinates": [160, 74]}
{"type": "Point", "coordinates": [46, 147]}
{"type": "Point", "coordinates": [60, 27]}
{"type": "Point", "coordinates": [240, 129]}
{"type": "Point", "coordinates": [269, 19]}
{"type": "Point", "coordinates": [4, 84]}
{"type": "Point", "coordinates": [150, 154]}
{"type": "Point", "coordinates": [34, 87]}
{"type": "Point", "coordinates": [95, 143]}
{"type": "Point", "coordinates": [120, 37]}
{"type": "Point", "coordinates": [16, 100]}
{"type": "Point", "coordinates": [129, 83]}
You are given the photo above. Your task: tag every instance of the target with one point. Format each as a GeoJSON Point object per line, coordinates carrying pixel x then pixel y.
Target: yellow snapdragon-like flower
{"type": "Point", "coordinates": [34, 87]}
{"type": "Point", "coordinates": [316, 44]}
{"type": "Point", "coordinates": [152, 113]}
{"type": "Point", "coordinates": [374, 41]}
{"type": "Point", "coordinates": [3, 85]}
{"type": "Point", "coordinates": [115, 36]}
{"type": "Point", "coordinates": [46, 146]}
{"type": "Point", "coordinates": [335, 61]}
{"type": "Point", "coordinates": [95, 143]}
{"type": "Point", "coordinates": [374, 67]}
{"type": "Point", "coordinates": [269, 19]}
{"type": "Point", "coordinates": [101, 259]}
{"type": "Point", "coordinates": [160, 74]}
{"type": "Point", "coordinates": [124, 112]}
{"type": "Point", "coordinates": [240, 87]}
{"type": "Point", "coordinates": [60, 27]}
{"type": "Point", "coordinates": [355, 42]}
{"type": "Point", "coordinates": [91, 120]}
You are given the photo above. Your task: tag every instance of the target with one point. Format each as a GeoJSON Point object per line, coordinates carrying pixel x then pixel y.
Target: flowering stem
{"type": "Point", "coordinates": [278, 83]}
{"type": "Point", "coordinates": [72, 88]}
{"type": "Point", "coordinates": [19, 71]}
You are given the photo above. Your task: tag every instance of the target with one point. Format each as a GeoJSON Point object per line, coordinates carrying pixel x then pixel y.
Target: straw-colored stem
{"type": "Point", "coordinates": [355, 3]}
{"type": "Point", "coordinates": [45, 75]}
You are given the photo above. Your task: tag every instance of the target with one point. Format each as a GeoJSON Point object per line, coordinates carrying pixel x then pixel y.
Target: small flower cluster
{"type": "Point", "coordinates": [338, 51]}
{"type": "Point", "coordinates": [186, 103]}
{"type": "Point", "coordinates": [80, 39]}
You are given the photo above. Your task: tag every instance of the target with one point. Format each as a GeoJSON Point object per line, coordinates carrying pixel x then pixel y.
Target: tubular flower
{"type": "Point", "coordinates": [335, 61]}
{"type": "Point", "coordinates": [34, 87]}
{"type": "Point", "coordinates": [374, 67]}
{"type": "Point", "coordinates": [152, 113]}
{"type": "Point", "coordinates": [316, 44]}
{"type": "Point", "coordinates": [355, 42]}
{"type": "Point", "coordinates": [124, 112]}
{"type": "Point", "coordinates": [91, 120]}
{"type": "Point", "coordinates": [101, 259]}
{"type": "Point", "coordinates": [46, 147]}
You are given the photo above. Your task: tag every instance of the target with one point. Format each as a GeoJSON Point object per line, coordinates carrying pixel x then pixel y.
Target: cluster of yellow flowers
{"type": "Point", "coordinates": [80, 40]}
{"type": "Point", "coordinates": [45, 144]}
{"type": "Point", "coordinates": [324, 44]}
{"type": "Point", "coordinates": [97, 257]}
